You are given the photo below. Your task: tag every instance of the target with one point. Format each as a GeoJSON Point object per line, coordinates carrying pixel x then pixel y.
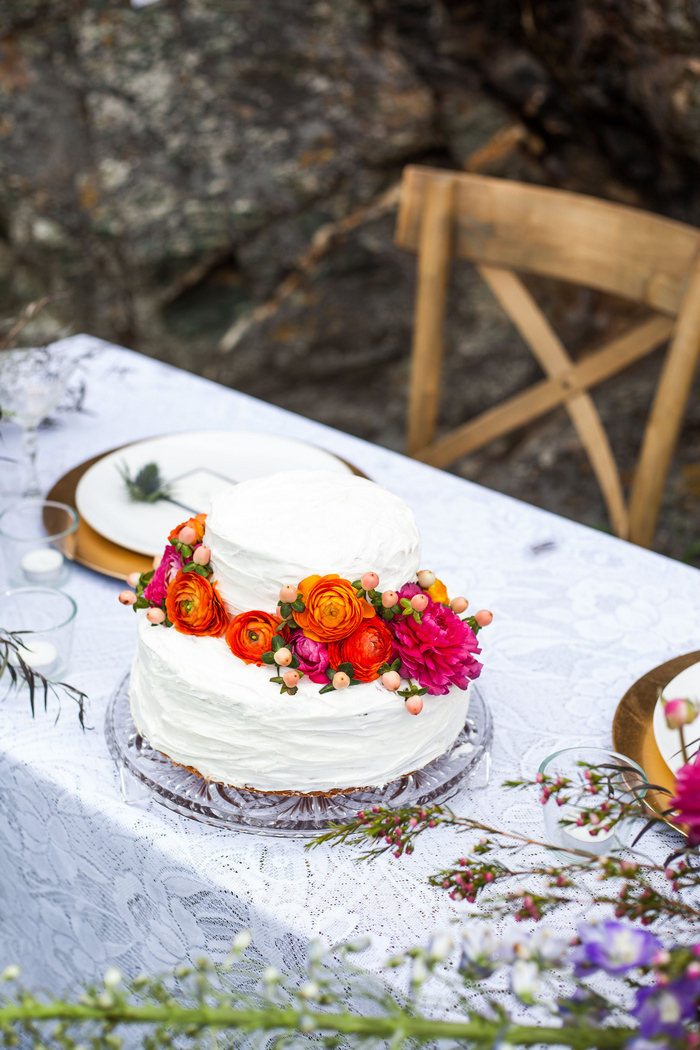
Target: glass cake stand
{"type": "Point", "coordinates": [145, 773]}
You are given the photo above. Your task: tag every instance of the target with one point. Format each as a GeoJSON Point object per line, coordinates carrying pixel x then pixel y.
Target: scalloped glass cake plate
{"type": "Point", "coordinates": [145, 773]}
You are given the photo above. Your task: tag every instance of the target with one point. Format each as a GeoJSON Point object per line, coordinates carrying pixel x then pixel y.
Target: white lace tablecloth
{"type": "Point", "coordinates": [86, 879]}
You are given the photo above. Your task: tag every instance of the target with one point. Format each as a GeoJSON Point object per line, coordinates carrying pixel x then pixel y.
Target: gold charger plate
{"type": "Point", "coordinates": [95, 551]}
{"type": "Point", "coordinates": [633, 729]}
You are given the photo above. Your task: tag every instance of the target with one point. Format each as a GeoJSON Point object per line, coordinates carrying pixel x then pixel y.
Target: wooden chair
{"type": "Point", "coordinates": [504, 226]}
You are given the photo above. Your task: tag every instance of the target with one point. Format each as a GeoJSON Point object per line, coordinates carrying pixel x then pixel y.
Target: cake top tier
{"type": "Point", "coordinates": [279, 529]}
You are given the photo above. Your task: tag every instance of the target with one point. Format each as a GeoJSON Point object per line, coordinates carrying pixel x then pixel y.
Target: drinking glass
{"type": "Point", "coordinates": [38, 540]}
{"type": "Point", "coordinates": [45, 618]}
{"type": "Point", "coordinates": [628, 781]}
{"type": "Point", "coordinates": [32, 382]}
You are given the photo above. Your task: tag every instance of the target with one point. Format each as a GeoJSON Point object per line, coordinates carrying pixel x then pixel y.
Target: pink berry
{"type": "Point", "coordinates": [340, 680]}
{"type": "Point", "coordinates": [459, 605]}
{"type": "Point", "coordinates": [283, 657]}
{"type": "Point", "coordinates": [419, 602]}
{"type": "Point", "coordinates": [391, 680]}
{"type": "Point", "coordinates": [414, 705]}
{"type": "Point", "coordinates": [288, 593]}
{"type": "Point", "coordinates": [390, 599]}
{"type": "Point", "coordinates": [127, 597]}
{"type": "Point", "coordinates": [426, 579]}
{"type": "Point", "coordinates": [155, 615]}
{"type": "Point", "coordinates": [201, 555]}
{"type": "Point", "coordinates": [133, 578]}
{"type": "Point", "coordinates": [291, 678]}
{"type": "Point", "coordinates": [369, 581]}
{"type": "Point", "coordinates": [187, 535]}
{"type": "Point", "coordinates": [157, 560]}
{"type": "Point", "coordinates": [483, 617]}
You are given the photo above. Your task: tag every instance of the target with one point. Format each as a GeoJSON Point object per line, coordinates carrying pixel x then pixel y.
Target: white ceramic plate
{"type": "Point", "coordinates": [686, 684]}
{"type": "Point", "coordinates": [198, 465]}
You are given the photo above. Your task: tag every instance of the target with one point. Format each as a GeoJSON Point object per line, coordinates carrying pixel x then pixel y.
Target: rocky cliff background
{"type": "Point", "coordinates": [212, 182]}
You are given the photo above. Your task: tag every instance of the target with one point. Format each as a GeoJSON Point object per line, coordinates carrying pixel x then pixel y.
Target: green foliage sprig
{"type": "Point", "coordinates": [147, 486]}
{"type": "Point", "coordinates": [19, 672]}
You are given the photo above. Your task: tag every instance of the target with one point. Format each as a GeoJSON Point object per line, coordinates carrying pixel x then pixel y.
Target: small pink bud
{"type": "Point", "coordinates": [414, 705]}
{"type": "Point", "coordinates": [459, 605]}
{"type": "Point", "coordinates": [288, 593]}
{"type": "Point", "coordinates": [370, 581]}
{"type": "Point", "coordinates": [679, 712]}
{"type": "Point", "coordinates": [291, 678]}
{"type": "Point", "coordinates": [483, 617]}
{"type": "Point", "coordinates": [391, 680]}
{"type": "Point", "coordinates": [419, 602]}
{"type": "Point", "coordinates": [661, 958]}
{"type": "Point", "coordinates": [155, 615]}
{"type": "Point", "coordinates": [693, 970]}
{"type": "Point", "coordinates": [426, 579]}
{"type": "Point", "coordinates": [283, 657]}
{"type": "Point", "coordinates": [201, 555]}
{"type": "Point", "coordinates": [340, 680]}
{"type": "Point", "coordinates": [133, 578]}
{"type": "Point", "coordinates": [127, 597]}
{"type": "Point", "coordinates": [187, 535]}
{"type": "Point", "coordinates": [157, 560]}
{"type": "Point", "coordinates": [390, 599]}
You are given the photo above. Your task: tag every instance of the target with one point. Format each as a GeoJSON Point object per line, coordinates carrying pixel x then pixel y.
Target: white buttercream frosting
{"type": "Point", "coordinates": [203, 707]}
{"type": "Point", "coordinates": [279, 529]}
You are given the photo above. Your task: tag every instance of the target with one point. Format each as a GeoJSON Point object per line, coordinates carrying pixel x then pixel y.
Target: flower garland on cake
{"type": "Point", "coordinates": [336, 632]}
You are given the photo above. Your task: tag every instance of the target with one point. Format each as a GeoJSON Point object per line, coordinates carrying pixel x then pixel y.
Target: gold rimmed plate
{"type": "Point", "coordinates": [633, 729]}
{"type": "Point", "coordinates": [93, 549]}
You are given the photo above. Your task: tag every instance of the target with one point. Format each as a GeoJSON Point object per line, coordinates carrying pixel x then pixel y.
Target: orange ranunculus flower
{"type": "Point", "coordinates": [197, 524]}
{"type": "Point", "coordinates": [367, 648]}
{"type": "Point", "coordinates": [332, 608]}
{"type": "Point", "coordinates": [194, 606]}
{"type": "Point", "coordinates": [438, 592]}
{"type": "Point", "coordinates": [250, 634]}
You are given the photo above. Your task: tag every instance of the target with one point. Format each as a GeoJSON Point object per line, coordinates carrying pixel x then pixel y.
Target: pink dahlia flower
{"type": "Point", "coordinates": [687, 798]}
{"type": "Point", "coordinates": [166, 571]}
{"type": "Point", "coordinates": [438, 651]}
{"type": "Point", "coordinates": [312, 656]}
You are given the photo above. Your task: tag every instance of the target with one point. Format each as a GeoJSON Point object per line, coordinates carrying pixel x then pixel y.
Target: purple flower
{"type": "Point", "coordinates": [665, 1010]}
{"type": "Point", "coordinates": [166, 571]}
{"type": "Point", "coordinates": [613, 947]}
{"type": "Point", "coordinates": [312, 656]}
{"type": "Point", "coordinates": [438, 651]}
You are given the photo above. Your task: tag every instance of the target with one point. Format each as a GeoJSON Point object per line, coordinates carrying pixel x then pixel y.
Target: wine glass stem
{"type": "Point", "coordinates": [31, 484]}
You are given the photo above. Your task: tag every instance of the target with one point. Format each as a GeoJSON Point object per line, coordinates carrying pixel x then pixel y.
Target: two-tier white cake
{"type": "Point", "coordinates": [205, 708]}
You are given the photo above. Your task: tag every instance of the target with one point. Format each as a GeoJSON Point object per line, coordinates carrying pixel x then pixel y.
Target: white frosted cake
{"type": "Point", "coordinates": [288, 643]}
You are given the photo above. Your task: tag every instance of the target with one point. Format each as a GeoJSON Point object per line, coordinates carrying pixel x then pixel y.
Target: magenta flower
{"type": "Point", "coordinates": [166, 571]}
{"type": "Point", "coordinates": [312, 656]}
{"type": "Point", "coordinates": [687, 798]}
{"type": "Point", "coordinates": [439, 651]}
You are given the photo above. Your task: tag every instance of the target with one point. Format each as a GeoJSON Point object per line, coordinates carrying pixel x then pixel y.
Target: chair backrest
{"type": "Point", "coordinates": [504, 226]}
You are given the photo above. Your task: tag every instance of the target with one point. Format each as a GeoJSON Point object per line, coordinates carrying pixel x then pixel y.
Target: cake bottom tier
{"type": "Point", "coordinates": [207, 710]}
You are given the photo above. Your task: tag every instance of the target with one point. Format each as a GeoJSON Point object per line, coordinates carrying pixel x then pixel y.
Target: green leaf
{"type": "Point", "coordinates": [141, 603]}
{"type": "Point", "coordinates": [404, 603]}
{"type": "Point", "coordinates": [396, 664]}
{"type": "Point", "coordinates": [294, 663]}
{"type": "Point", "coordinates": [327, 689]}
{"type": "Point", "coordinates": [285, 609]}
{"type": "Point", "coordinates": [347, 669]}
{"type": "Point", "coordinates": [277, 679]}
{"type": "Point", "coordinates": [268, 658]}
{"type": "Point", "coordinates": [357, 584]}
{"type": "Point", "coordinates": [277, 643]}
{"type": "Point", "coordinates": [293, 690]}
{"type": "Point", "coordinates": [298, 605]}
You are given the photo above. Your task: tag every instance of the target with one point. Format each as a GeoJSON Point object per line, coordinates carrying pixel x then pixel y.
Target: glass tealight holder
{"type": "Point", "coordinates": [628, 782]}
{"type": "Point", "coordinates": [38, 539]}
{"type": "Point", "coordinates": [43, 618]}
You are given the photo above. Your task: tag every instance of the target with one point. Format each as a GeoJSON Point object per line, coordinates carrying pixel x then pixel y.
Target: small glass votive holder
{"type": "Point", "coordinates": [627, 782]}
{"type": "Point", "coordinates": [43, 618]}
{"type": "Point", "coordinates": [38, 539]}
